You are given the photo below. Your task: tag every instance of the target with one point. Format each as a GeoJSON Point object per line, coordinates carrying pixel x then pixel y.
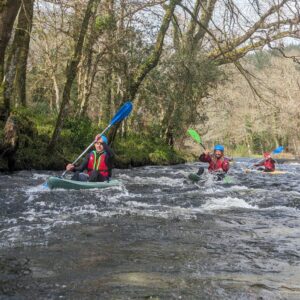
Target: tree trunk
{"type": "Point", "coordinates": [11, 141]}
{"type": "Point", "coordinates": [90, 67]}
{"type": "Point", "coordinates": [17, 60]}
{"type": "Point", "coordinates": [71, 73]}
{"type": "Point", "coordinates": [8, 13]}
{"type": "Point", "coordinates": [109, 36]}
{"type": "Point", "coordinates": [87, 78]}
{"type": "Point", "coordinates": [151, 62]}
{"type": "Point", "coordinates": [106, 105]}
{"type": "Point", "coordinates": [57, 95]}
{"type": "Point", "coordinates": [153, 59]}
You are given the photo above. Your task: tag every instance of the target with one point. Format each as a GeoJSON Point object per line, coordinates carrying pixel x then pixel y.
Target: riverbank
{"type": "Point", "coordinates": [34, 131]}
{"type": "Point", "coordinates": [132, 149]}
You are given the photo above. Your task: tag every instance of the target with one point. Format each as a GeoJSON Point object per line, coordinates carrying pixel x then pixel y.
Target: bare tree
{"type": "Point", "coordinates": [16, 70]}
{"type": "Point", "coordinates": [8, 13]}
{"type": "Point", "coordinates": [71, 73]}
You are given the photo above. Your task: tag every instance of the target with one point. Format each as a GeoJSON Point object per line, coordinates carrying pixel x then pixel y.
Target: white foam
{"type": "Point", "coordinates": [293, 164]}
{"type": "Point", "coordinates": [36, 189]}
{"type": "Point", "coordinates": [238, 188]}
{"type": "Point", "coordinates": [40, 176]}
{"type": "Point", "coordinates": [158, 180]}
{"type": "Point", "coordinates": [226, 203]}
{"type": "Point", "coordinates": [282, 208]}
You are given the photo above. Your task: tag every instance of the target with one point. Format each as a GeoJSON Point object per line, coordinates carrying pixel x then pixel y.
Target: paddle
{"type": "Point", "coordinates": [122, 113]}
{"type": "Point", "coordinates": [278, 150]}
{"type": "Point", "coordinates": [196, 137]}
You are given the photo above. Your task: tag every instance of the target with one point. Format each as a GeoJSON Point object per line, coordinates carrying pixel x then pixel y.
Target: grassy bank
{"type": "Point", "coordinates": [35, 130]}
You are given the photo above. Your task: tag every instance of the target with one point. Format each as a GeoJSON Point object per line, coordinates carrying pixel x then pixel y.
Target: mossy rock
{"type": "Point", "coordinates": [25, 125]}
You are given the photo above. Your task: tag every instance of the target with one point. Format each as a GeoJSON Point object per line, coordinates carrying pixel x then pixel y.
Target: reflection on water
{"type": "Point", "coordinates": [158, 236]}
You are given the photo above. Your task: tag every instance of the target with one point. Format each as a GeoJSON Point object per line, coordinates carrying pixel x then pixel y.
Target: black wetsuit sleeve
{"type": "Point", "coordinates": [83, 165]}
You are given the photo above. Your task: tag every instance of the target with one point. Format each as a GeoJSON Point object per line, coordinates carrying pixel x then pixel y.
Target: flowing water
{"type": "Point", "coordinates": [158, 236]}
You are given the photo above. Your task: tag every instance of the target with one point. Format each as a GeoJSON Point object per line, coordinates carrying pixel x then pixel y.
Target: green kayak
{"type": "Point", "coordinates": [61, 183]}
{"type": "Point", "coordinates": [195, 178]}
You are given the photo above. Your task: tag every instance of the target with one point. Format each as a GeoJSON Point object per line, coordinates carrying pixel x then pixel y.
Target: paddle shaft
{"type": "Point", "coordinates": [86, 150]}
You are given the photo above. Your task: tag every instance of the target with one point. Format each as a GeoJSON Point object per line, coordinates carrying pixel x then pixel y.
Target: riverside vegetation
{"type": "Point", "coordinates": [67, 66]}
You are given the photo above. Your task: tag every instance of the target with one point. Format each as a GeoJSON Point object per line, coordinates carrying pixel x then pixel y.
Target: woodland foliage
{"type": "Point", "coordinates": [183, 64]}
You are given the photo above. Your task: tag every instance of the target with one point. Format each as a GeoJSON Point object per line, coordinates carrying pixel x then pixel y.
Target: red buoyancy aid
{"type": "Point", "coordinates": [269, 164]}
{"type": "Point", "coordinates": [215, 164]}
{"type": "Point", "coordinates": [98, 164]}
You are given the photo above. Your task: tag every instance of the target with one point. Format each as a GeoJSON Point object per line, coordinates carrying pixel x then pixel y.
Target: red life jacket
{"type": "Point", "coordinates": [269, 164]}
{"type": "Point", "coordinates": [97, 164]}
{"type": "Point", "coordinates": [218, 164]}
{"type": "Point", "coordinates": [215, 164]}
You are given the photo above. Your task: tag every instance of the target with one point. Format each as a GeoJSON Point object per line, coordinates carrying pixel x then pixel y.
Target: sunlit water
{"type": "Point", "coordinates": [158, 236]}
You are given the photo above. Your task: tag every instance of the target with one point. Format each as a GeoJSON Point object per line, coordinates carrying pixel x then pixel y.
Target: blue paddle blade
{"type": "Point", "coordinates": [45, 185]}
{"type": "Point", "coordinates": [123, 112]}
{"type": "Point", "coordinates": [278, 150]}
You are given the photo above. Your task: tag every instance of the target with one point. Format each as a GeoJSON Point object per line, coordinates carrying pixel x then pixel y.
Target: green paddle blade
{"type": "Point", "coordinates": [195, 136]}
{"type": "Point", "coordinates": [227, 179]}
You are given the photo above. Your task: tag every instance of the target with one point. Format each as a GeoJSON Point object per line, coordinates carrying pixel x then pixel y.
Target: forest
{"type": "Point", "coordinates": [229, 69]}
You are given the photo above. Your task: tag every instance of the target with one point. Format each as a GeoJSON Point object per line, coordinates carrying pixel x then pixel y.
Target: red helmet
{"type": "Point", "coordinates": [267, 154]}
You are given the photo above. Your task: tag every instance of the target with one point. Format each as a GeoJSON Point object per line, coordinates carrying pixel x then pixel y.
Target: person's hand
{"type": "Point", "coordinates": [70, 167]}
{"type": "Point", "coordinates": [206, 152]}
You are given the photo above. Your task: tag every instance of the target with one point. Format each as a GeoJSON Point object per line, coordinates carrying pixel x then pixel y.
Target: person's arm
{"type": "Point", "coordinates": [81, 167]}
{"type": "Point", "coordinates": [205, 157]}
{"type": "Point", "coordinates": [225, 166]}
{"type": "Point", "coordinates": [259, 164]}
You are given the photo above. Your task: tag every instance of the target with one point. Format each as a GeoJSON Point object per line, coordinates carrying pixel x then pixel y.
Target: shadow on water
{"type": "Point", "coordinates": [158, 236]}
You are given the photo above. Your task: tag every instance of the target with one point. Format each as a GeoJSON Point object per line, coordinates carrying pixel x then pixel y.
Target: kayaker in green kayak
{"type": "Point", "coordinates": [218, 164]}
{"type": "Point", "coordinates": [97, 165]}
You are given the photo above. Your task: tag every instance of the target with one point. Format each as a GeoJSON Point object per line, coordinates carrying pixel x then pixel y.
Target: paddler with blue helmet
{"type": "Point", "coordinates": [218, 164]}
{"type": "Point", "coordinates": [97, 165]}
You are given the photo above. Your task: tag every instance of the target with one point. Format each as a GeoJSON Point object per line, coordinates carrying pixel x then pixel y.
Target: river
{"type": "Point", "coordinates": [158, 236]}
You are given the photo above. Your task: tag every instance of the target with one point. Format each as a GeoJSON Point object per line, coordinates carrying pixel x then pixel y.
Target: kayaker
{"type": "Point", "coordinates": [97, 164]}
{"type": "Point", "coordinates": [218, 164]}
{"type": "Point", "coordinates": [267, 165]}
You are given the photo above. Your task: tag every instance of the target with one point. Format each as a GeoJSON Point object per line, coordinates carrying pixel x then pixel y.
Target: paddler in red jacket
{"type": "Point", "coordinates": [267, 165]}
{"type": "Point", "coordinates": [97, 164]}
{"type": "Point", "coordinates": [218, 164]}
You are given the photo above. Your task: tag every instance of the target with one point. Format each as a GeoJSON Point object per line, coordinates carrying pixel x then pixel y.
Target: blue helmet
{"type": "Point", "coordinates": [103, 137]}
{"type": "Point", "coordinates": [219, 147]}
